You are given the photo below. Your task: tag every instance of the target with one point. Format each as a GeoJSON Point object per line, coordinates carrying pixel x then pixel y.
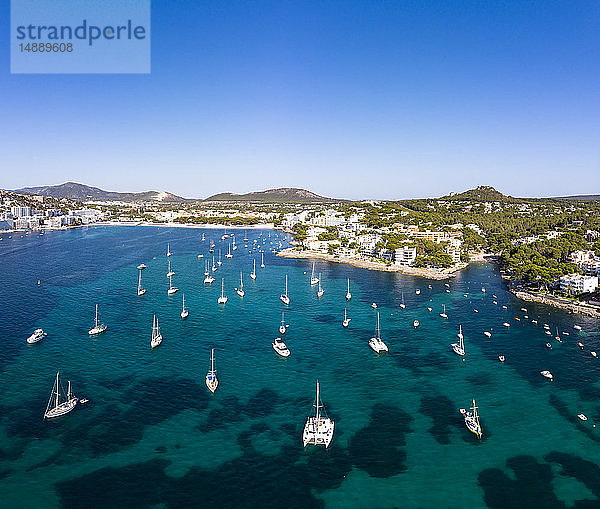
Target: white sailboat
{"type": "Point", "coordinates": [229, 255]}
{"type": "Point", "coordinates": [472, 420]}
{"type": "Point", "coordinates": [443, 313]}
{"type": "Point", "coordinates": [172, 289]}
{"type": "Point", "coordinates": [206, 271]}
{"type": "Point", "coordinates": [55, 408]}
{"type": "Point", "coordinates": [402, 305]}
{"type": "Point", "coordinates": [223, 298]}
{"type": "Point", "coordinates": [282, 326]}
{"type": "Point", "coordinates": [140, 291]}
{"type": "Point", "coordinates": [280, 347]}
{"type": "Point", "coordinates": [313, 280]}
{"type": "Point", "coordinates": [211, 377]}
{"type": "Point", "coordinates": [214, 267]}
{"type": "Point", "coordinates": [234, 246]}
{"type": "Point", "coordinates": [459, 348]}
{"type": "Point", "coordinates": [207, 277]}
{"type": "Point", "coordinates": [156, 335]}
{"type": "Point", "coordinates": [184, 312]}
{"type": "Point", "coordinates": [262, 260]}
{"type": "Point", "coordinates": [141, 266]}
{"type": "Point", "coordinates": [320, 291]}
{"type": "Point", "coordinates": [37, 335]}
{"type": "Point", "coordinates": [253, 273]}
{"type": "Point", "coordinates": [98, 328]}
{"type": "Point", "coordinates": [318, 430]}
{"type": "Point", "coordinates": [240, 290]}
{"type": "Point", "coordinates": [170, 273]}
{"type": "Point", "coordinates": [245, 236]}
{"type": "Point", "coordinates": [169, 250]}
{"type": "Point", "coordinates": [219, 262]}
{"type": "Point", "coordinates": [203, 239]}
{"type": "Point", "coordinates": [284, 297]}
{"type": "Point", "coordinates": [376, 342]}
{"type": "Point", "coordinates": [348, 294]}
{"type": "Point", "coordinates": [346, 321]}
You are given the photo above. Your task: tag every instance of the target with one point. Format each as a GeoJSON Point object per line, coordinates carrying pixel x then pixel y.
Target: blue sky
{"type": "Point", "coordinates": [379, 100]}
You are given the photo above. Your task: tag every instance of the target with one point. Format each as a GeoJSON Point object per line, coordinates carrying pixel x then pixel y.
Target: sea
{"type": "Point", "coordinates": [153, 436]}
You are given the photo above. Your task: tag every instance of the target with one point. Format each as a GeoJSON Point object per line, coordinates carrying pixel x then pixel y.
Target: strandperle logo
{"type": "Point", "coordinates": [85, 31]}
{"type": "Point", "coordinates": [80, 36]}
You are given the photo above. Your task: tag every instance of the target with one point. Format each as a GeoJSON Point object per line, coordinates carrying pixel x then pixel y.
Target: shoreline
{"type": "Point", "coordinates": [208, 226]}
{"type": "Point", "coordinates": [366, 264]}
{"type": "Point", "coordinates": [557, 302]}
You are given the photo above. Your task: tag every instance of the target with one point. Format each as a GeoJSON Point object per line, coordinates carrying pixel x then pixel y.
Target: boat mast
{"type": "Point", "coordinates": [222, 285]}
{"type": "Point", "coordinates": [241, 281]}
{"type": "Point", "coordinates": [57, 390]}
{"type": "Point", "coordinates": [348, 285]}
{"type": "Point", "coordinates": [212, 360]}
{"type": "Point", "coordinates": [317, 403]}
{"type": "Point", "coordinates": [140, 281]}
{"type": "Point", "coordinates": [378, 331]}
{"type": "Point", "coordinates": [69, 391]}
{"type": "Point", "coordinates": [286, 285]}
{"type": "Point", "coordinates": [96, 315]}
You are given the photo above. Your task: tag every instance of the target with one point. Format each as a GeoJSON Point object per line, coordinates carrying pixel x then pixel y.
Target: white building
{"type": "Point", "coordinates": [576, 283]}
{"type": "Point", "coordinates": [405, 256]}
{"type": "Point", "coordinates": [580, 257]}
{"type": "Point", "coordinates": [18, 211]}
{"type": "Point", "coordinates": [453, 252]}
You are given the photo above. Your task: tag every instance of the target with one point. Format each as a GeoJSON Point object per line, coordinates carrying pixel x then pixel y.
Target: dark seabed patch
{"type": "Point", "coordinates": [326, 318]}
{"type": "Point", "coordinates": [480, 380]}
{"type": "Point", "coordinates": [562, 408]}
{"type": "Point", "coordinates": [388, 425]}
{"type": "Point", "coordinates": [532, 486]}
{"type": "Point", "coordinates": [441, 409]}
{"type": "Point", "coordinates": [262, 403]}
{"type": "Point", "coordinates": [230, 411]}
{"type": "Point", "coordinates": [585, 471]}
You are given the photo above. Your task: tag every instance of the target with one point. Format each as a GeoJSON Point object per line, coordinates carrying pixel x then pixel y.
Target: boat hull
{"type": "Point", "coordinates": [62, 409]}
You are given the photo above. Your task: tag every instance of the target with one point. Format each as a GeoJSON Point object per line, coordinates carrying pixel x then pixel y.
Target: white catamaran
{"type": "Point", "coordinates": [98, 328]}
{"type": "Point", "coordinates": [284, 297]}
{"type": "Point", "coordinates": [318, 430]}
{"type": "Point", "coordinates": [376, 342]}
{"type": "Point", "coordinates": [156, 335]}
{"type": "Point", "coordinates": [223, 298]}
{"type": "Point", "coordinates": [55, 408]}
{"type": "Point", "coordinates": [211, 377]}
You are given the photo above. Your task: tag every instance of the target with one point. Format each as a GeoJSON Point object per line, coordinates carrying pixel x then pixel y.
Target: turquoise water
{"type": "Point", "coordinates": [153, 436]}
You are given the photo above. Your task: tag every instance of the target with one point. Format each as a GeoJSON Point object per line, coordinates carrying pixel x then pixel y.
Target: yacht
{"type": "Point", "coordinates": [313, 279]}
{"type": "Point", "coordinates": [172, 289]}
{"type": "Point", "coordinates": [374, 305]}
{"type": "Point", "coordinates": [443, 313]}
{"type": "Point", "coordinates": [459, 348]}
{"type": "Point", "coordinates": [169, 250]}
{"type": "Point", "coordinates": [170, 273]}
{"type": "Point", "coordinates": [417, 292]}
{"type": "Point", "coordinates": [37, 335]}
{"type": "Point", "coordinates": [245, 236]}
{"type": "Point", "coordinates": [184, 312]}
{"type": "Point", "coordinates": [348, 294]}
{"type": "Point", "coordinates": [416, 324]}
{"type": "Point", "coordinates": [156, 335]}
{"type": "Point", "coordinates": [546, 374]}
{"type": "Point", "coordinates": [577, 327]}
{"type": "Point", "coordinates": [376, 342]}
{"type": "Point", "coordinates": [280, 347]}
{"type": "Point", "coordinates": [284, 297]}
{"type": "Point", "coordinates": [98, 328]}
{"type": "Point", "coordinates": [594, 354]}
{"type": "Point", "coordinates": [140, 291]}
{"type": "Point", "coordinates": [282, 326]}
{"type": "Point", "coordinates": [346, 321]}
{"type": "Point", "coordinates": [487, 334]}
{"type": "Point", "coordinates": [501, 358]}
{"type": "Point", "coordinates": [229, 255]}
{"type": "Point", "coordinates": [214, 267]}
{"type": "Point", "coordinates": [253, 273]}
{"type": "Point", "coordinates": [262, 260]}
{"type": "Point", "coordinates": [402, 305]}
{"type": "Point", "coordinates": [211, 377]}
{"type": "Point", "coordinates": [55, 408]}
{"type": "Point", "coordinates": [506, 324]}
{"type": "Point", "coordinates": [472, 420]}
{"type": "Point", "coordinates": [208, 279]}
{"type": "Point", "coordinates": [141, 266]}
{"type": "Point", "coordinates": [203, 239]}
{"type": "Point", "coordinates": [483, 289]}
{"type": "Point", "coordinates": [219, 262]}
{"type": "Point", "coordinates": [318, 430]}
{"type": "Point", "coordinates": [240, 291]}
{"type": "Point", "coordinates": [320, 291]}
{"type": "Point", "coordinates": [223, 298]}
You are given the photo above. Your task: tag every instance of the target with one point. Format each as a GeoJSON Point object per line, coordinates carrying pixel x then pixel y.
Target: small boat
{"type": "Point", "coordinates": [284, 296]}
{"type": "Point", "coordinates": [416, 323]}
{"type": "Point", "coordinates": [346, 321]}
{"type": "Point", "coordinates": [524, 310]}
{"type": "Point", "coordinates": [374, 305]}
{"type": "Point", "coordinates": [223, 298]}
{"type": "Point", "coordinates": [501, 358]}
{"type": "Point", "coordinates": [141, 266]}
{"type": "Point", "coordinates": [140, 291]}
{"type": "Point", "coordinates": [487, 334]}
{"type": "Point", "coordinates": [200, 256]}
{"type": "Point", "coordinates": [583, 417]}
{"type": "Point", "coordinates": [156, 335]}
{"type": "Point", "coordinates": [417, 292]}
{"type": "Point", "coordinates": [472, 420]}
{"type": "Point", "coordinates": [594, 354]}
{"type": "Point", "coordinates": [526, 317]}
{"type": "Point", "coordinates": [55, 408]}
{"type": "Point", "coordinates": [376, 342]}
{"type": "Point", "coordinates": [169, 250]}
{"type": "Point", "coordinates": [446, 285]}
{"type": "Point", "coordinates": [240, 291]}
{"type": "Point", "coordinates": [476, 311]}
{"type": "Point", "coordinates": [318, 430]}
{"type": "Point", "coordinates": [280, 347]}
{"type": "Point", "coordinates": [225, 236]}
{"type": "Point", "coordinates": [566, 333]}
{"type": "Point", "coordinates": [443, 313]}
{"type": "Point", "coordinates": [504, 307]}
{"type": "Point", "coordinates": [580, 344]}
{"type": "Point", "coordinates": [98, 327]}
{"type": "Point", "coordinates": [546, 374]}
{"type": "Point", "coordinates": [211, 377]}
{"type": "Point", "coordinates": [534, 321]}
{"type": "Point", "coordinates": [313, 279]}
{"type": "Point", "coordinates": [402, 305]}
{"type": "Point", "coordinates": [37, 335]}
{"type": "Point", "coordinates": [546, 326]}
{"type": "Point", "coordinates": [577, 327]}
{"type": "Point", "coordinates": [320, 291]}
{"type": "Point", "coordinates": [282, 328]}
{"type": "Point", "coordinates": [184, 312]}
{"type": "Point", "coordinates": [495, 302]}
{"type": "Point", "coordinates": [262, 260]}
{"type": "Point", "coordinates": [172, 289]}
{"type": "Point", "coordinates": [547, 332]}
{"type": "Point", "coordinates": [229, 255]}
{"type": "Point", "coordinates": [459, 348]}
{"type": "Point", "coordinates": [253, 273]}
{"type": "Point", "coordinates": [429, 286]}
{"type": "Point", "coordinates": [495, 296]}
{"type": "Point", "coordinates": [517, 319]}
{"type": "Point", "coordinates": [170, 273]}
{"type": "Point", "coordinates": [348, 294]}
{"type": "Point", "coordinates": [548, 345]}
{"type": "Point", "coordinates": [483, 289]}
{"type": "Point", "coordinates": [430, 309]}
{"type": "Point", "coordinates": [506, 324]}
{"type": "Point", "coordinates": [83, 400]}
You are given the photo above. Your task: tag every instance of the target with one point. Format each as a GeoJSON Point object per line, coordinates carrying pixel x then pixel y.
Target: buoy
{"type": "Point", "coordinates": [38, 281]}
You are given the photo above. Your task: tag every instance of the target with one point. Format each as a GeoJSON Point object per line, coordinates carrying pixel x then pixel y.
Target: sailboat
{"type": "Point", "coordinates": [223, 298]}
{"type": "Point", "coordinates": [313, 280]}
{"type": "Point", "coordinates": [229, 255]}
{"type": "Point", "coordinates": [234, 246]}
{"type": "Point", "coordinates": [416, 323]}
{"type": "Point", "coordinates": [318, 430]}
{"type": "Point", "coordinates": [280, 347]}
{"type": "Point", "coordinates": [169, 250]}
{"type": "Point", "coordinates": [184, 312]}
{"type": "Point", "coordinates": [219, 262]}
{"type": "Point", "coordinates": [348, 294]}
{"type": "Point", "coordinates": [172, 289]}
{"type": "Point", "coordinates": [141, 266]}
{"type": "Point", "coordinates": [376, 342]}
{"type": "Point", "coordinates": [141, 291]}
{"type": "Point", "coordinates": [253, 273]}
{"type": "Point", "coordinates": [282, 326]}
{"type": "Point", "coordinates": [211, 247]}
{"type": "Point", "coordinates": [459, 348]}
{"type": "Point", "coordinates": [156, 335]}
{"type": "Point", "coordinates": [402, 305]}
{"type": "Point", "coordinates": [320, 291]}
{"type": "Point", "coordinates": [245, 236]}
{"type": "Point", "coordinates": [170, 273]}
{"type": "Point", "coordinates": [284, 297]}
{"type": "Point", "coordinates": [262, 260]}
{"type": "Point", "coordinates": [346, 321]}
{"type": "Point", "coordinates": [211, 377]}
{"type": "Point", "coordinates": [203, 239]}
{"type": "Point", "coordinates": [55, 408]}
{"type": "Point", "coordinates": [207, 277]}
{"type": "Point", "coordinates": [240, 290]}
{"type": "Point", "coordinates": [443, 313]}
{"type": "Point", "coordinates": [472, 420]}
{"type": "Point", "coordinates": [98, 328]}
{"type": "Point", "coordinates": [214, 267]}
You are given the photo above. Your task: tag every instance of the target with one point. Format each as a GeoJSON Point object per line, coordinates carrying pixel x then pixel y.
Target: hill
{"type": "Point", "coordinates": [480, 193]}
{"type": "Point", "coordinates": [583, 197]}
{"type": "Point", "coordinates": [281, 195]}
{"type": "Point", "coordinates": [81, 192]}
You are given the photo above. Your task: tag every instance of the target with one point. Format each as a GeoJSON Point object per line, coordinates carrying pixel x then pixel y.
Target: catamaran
{"type": "Point", "coordinates": [284, 297]}
{"type": "Point", "coordinates": [37, 335]}
{"type": "Point", "coordinates": [55, 408]}
{"type": "Point", "coordinates": [313, 279]}
{"type": "Point", "coordinates": [280, 347]}
{"type": "Point", "coordinates": [184, 312]}
{"type": "Point", "coordinates": [472, 420]}
{"type": "Point", "coordinates": [318, 430]}
{"type": "Point", "coordinates": [223, 298]}
{"type": "Point", "coordinates": [376, 342]}
{"type": "Point", "coordinates": [346, 321]}
{"type": "Point", "coordinates": [211, 377]}
{"type": "Point", "coordinates": [348, 294]}
{"type": "Point", "coordinates": [262, 260]}
{"type": "Point", "coordinates": [98, 328]}
{"type": "Point", "coordinates": [140, 291]}
{"type": "Point", "coordinates": [282, 326]}
{"type": "Point", "coordinates": [169, 250]}
{"type": "Point", "coordinates": [172, 289]}
{"type": "Point", "coordinates": [443, 313]}
{"type": "Point", "coordinates": [320, 291]}
{"type": "Point", "coordinates": [156, 335]}
{"type": "Point", "coordinates": [240, 290]}
{"type": "Point", "coordinates": [170, 273]}
{"type": "Point", "coordinates": [402, 305]}
{"type": "Point", "coordinates": [229, 255]}
{"type": "Point", "coordinates": [253, 273]}
{"type": "Point", "coordinates": [459, 348]}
